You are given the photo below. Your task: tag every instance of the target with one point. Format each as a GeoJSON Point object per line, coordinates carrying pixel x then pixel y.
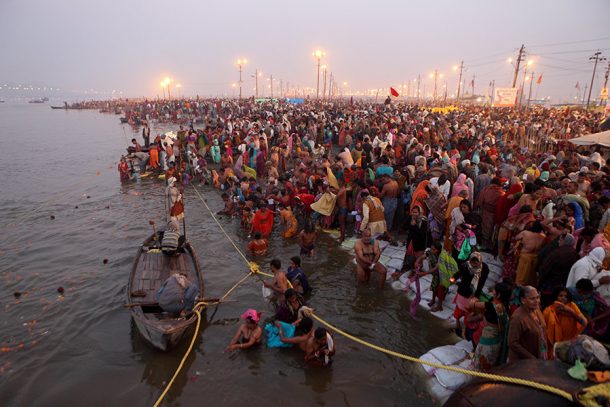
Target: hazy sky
{"type": "Point", "coordinates": [131, 45]}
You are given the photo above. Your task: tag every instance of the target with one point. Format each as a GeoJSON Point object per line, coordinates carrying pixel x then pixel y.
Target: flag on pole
{"type": "Point", "coordinates": [539, 81]}
{"type": "Point", "coordinates": [393, 92]}
{"type": "Point", "coordinates": [577, 86]}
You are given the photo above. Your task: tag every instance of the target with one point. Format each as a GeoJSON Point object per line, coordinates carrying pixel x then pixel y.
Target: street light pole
{"type": "Point", "coordinates": [529, 96]}
{"type": "Point", "coordinates": [519, 59]}
{"type": "Point", "coordinates": [240, 63]}
{"type": "Point", "coordinates": [324, 88]}
{"type": "Point", "coordinates": [318, 54]}
{"type": "Point", "coordinates": [434, 91]}
{"type": "Point", "coordinates": [596, 58]}
{"type": "Point", "coordinates": [271, 77]}
{"type": "Point", "coordinates": [457, 99]}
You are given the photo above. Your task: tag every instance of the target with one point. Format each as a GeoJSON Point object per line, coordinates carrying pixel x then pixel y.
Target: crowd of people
{"type": "Point", "coordinates": [447, 184]}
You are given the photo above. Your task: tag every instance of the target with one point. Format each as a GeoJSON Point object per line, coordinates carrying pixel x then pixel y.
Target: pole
{"type": "Point", "coordinates": [169, 96]}
{"type": "Point", "coordinates": [472, 84]}
{"type": "Point", "coordinates": [606, 82]}
{"type": "Point", "coordinates": [318, 83]}
{"type": "Point", "coordinates": [523, 87]}
{"type": "Point", "coordinates": [163, 88]}
{"type": "Point", "coordinates": [493, 88]}
{"type": "Point", "coordinates": [256, 82]}
{"type": "Point", "coordinates": [583, 95]}
{"type": "Point", "coordinates": [281, 88]}
{"type": "Point", "coordinates": [529, 96]}
{"type": "Point", "coordinates": [240, 81]}
{"type": "Point", "coordinates": [324, 89]}
{"type": "Point", "coordinates": [418, 83]}
{"type": "Point", "coordinates": [596, 58]}
{"type": "Point", "coordinates": [519, 59]}
{"type": "Point", "coordinates": [459, 84]}
{"type": "Point", "coordinates": [434, 91]}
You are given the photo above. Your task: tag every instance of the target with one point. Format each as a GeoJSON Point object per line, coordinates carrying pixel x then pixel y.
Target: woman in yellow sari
{"type": "Point", "coordinates": [289, 221]}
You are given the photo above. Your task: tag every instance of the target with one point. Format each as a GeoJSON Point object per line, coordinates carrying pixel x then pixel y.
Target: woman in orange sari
{"type": "Point", "coordinates": [262, 221]}
{"type": "Point", "coordinates": [154, 156]}
{"type": "Point", "coordinates": [564, 321]}
{"type": "Point", "coordinates": [419, 197]}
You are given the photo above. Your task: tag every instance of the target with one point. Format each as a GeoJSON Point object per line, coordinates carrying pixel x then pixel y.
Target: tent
{"type": "Point", "coordinates": [602, 139]}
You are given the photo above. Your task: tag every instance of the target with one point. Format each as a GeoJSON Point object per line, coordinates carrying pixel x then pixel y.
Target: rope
{"type": "Point", "coordinates": [254, 270]}
{"type": "Point", "coordinates": [188, 351]}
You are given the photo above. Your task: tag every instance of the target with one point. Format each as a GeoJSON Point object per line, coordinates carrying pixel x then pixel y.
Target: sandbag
{"type": "Point", "coordinates": [449, 354]}
{"type": "Point", "coordinates": [453, 380]}
{"type": "Point", "coordinates": [429, 358]}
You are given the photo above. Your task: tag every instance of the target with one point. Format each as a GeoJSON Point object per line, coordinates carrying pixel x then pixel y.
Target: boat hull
{"type": "Point", "coordinates": [149, 271]}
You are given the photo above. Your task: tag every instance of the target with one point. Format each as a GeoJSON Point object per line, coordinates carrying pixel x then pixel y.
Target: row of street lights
{"type": "Point", "coordinates": [317, 54]}
{"type": "Point", "coordinates": [165, 83]}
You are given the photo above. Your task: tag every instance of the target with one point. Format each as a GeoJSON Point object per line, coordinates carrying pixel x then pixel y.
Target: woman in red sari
{"type": "Point", "coordinates": [262, 221]}
{"type": "Point", "coordinates": [507, 201]}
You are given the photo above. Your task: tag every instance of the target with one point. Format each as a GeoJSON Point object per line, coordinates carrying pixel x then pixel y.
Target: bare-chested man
{"type": "Point", "coordinates": [367, 259]}
{"type": "Point", "coordinates": [389, 199]}
{"type": "Point", "coordinates": [279, 282]}
{"type": "Point", "coordinates": [307, 240]}
{"type": "Point", "coordinates": [318, 348]}
{"type": "Point", "coordinates": [532, 241]}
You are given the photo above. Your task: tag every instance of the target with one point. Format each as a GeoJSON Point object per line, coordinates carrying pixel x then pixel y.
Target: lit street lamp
{"type": "Point", "coordinates": [240, 63]}
{"type": "Point", "coordinates": [318, 54]}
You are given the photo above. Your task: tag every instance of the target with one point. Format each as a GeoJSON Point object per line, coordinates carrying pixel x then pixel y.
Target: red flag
{"type": "Point", "coordinates": [577, 86]}
{"type": "Point", "coordinates": [393, 92]}
{"type": "Point", "coordinates": [539, 81]}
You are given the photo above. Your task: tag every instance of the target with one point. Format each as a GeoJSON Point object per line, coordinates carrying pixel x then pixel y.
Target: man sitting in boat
{"type": "Point", "coordinates": [177, 294]}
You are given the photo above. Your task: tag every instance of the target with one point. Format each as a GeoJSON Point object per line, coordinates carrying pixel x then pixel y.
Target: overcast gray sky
{"type": "Point", "coordinates": [131, 45]}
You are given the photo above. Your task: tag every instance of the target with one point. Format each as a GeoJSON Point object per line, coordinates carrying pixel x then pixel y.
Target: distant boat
{"type": "Point", "coordinates": [59, 107]}
{"type": "Point", "coordinates": [41, 100]}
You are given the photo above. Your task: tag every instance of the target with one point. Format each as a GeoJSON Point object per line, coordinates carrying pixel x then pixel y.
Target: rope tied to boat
{"type": "Point", "coordinates": [256, 270]}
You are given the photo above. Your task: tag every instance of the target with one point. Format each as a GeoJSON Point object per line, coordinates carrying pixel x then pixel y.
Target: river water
{"type": "Point", "coordinates": [65, 212]}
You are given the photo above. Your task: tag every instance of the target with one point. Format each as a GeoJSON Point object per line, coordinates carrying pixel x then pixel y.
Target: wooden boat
{"type": "Point", "coordinates": [150, 269]}
{"type": "Point", "coordinates": [59, 107]}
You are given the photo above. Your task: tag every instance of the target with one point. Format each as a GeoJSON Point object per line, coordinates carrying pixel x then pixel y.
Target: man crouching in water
{"type": "Point", "coordinates": [367, 259]}
{"type": "Point", "coordinates": [317, 344]}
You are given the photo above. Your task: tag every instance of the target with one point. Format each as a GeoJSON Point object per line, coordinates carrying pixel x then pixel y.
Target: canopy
{"type": "Point", "coordinates": [602, 139]}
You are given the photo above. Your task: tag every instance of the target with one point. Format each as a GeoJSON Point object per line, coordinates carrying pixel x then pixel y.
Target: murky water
{"type": "Point", "coordinates": [82, 348]}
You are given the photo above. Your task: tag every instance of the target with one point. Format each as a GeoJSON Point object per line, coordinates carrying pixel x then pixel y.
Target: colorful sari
{"type": "Point", "coordinates": [419, 197]}
{"type": "Point", "coordinates": [492, 349]}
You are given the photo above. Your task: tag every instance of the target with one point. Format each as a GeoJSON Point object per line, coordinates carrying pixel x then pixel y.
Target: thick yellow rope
{"type": "Point", "coordinates": [255, 270]}
{"type": "Point", "coordinates": [188, 351]}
